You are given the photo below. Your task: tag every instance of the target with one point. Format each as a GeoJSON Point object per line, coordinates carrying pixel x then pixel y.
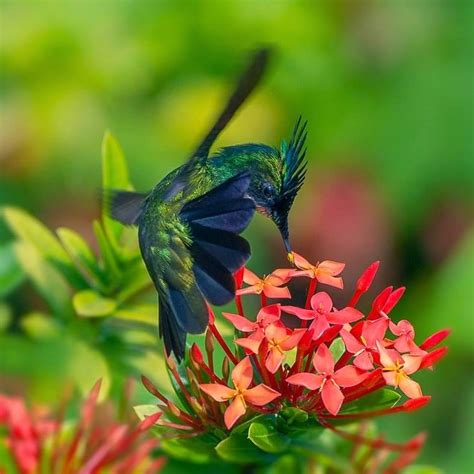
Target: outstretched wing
{"type": "Point", "coordinates": [247, 83]}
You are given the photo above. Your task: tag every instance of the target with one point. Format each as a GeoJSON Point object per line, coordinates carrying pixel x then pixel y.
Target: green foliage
{"type": "Point", "coordinates": [90, 298]}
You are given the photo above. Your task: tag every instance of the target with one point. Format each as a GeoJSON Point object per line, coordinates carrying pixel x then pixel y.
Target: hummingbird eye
{"type": "Point", "coordinates": [268, 191]}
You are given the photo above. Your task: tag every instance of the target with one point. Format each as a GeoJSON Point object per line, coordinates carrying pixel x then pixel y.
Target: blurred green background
{"type": "Point", "coordinates": [387, 88]}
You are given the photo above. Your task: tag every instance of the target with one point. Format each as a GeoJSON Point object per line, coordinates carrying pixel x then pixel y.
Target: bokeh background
{"type": "Point", "coordinates": [387, 88]}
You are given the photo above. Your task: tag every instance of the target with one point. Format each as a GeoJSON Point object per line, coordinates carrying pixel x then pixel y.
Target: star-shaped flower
{"type": "Point", "coordinates": [269, 285]}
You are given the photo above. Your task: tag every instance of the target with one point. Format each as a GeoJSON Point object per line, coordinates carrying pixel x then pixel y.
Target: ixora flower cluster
{"type": "Point", "coordinates": [295, 369]}
{"type": "Point", "coordinates": [37, 443]}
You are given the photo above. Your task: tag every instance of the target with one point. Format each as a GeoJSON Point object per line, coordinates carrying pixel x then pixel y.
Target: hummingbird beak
{"type": "Point", "coordinates": [282, 224]}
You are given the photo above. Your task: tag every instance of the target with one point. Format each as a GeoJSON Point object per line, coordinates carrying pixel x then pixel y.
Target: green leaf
{"type": "Point", "coordinates": [237, 448]}
{"type": "Point", "coordinates": [114, 176]}
{"type": "Point", "coordinates": [337, 348]}
{"type": "Point", "coordinates": [40, 326]}
{"type": "Point", "coordinates": [107, 252]}
{"type": "Point", "coordinates": [198, 450]}
{"type": "Point", "coordinates": [86, 366]}
{"type": "Point", "coordinates": [384, 398]}
{"type": "Point", "coordinates": [47, 280]}
{"type": "Point", "coordinates": [267, 438]}
{"type": "Point", "coordinates": [11, 273]}
{"type": "Point", "coordinates": [420, 469]}
{"type": "Point", "coordinates": [144, 313]}
{"type": "Point", "coordinates": [143, 411]}
{"type": "Point", "coordinates": [88, 303]}
{"type": "Point", "coordinates": [29, 229]}
{"type": "Point", "coordinates": [6, 316]}
{"type": "Point", "coordinates": [81, 254]}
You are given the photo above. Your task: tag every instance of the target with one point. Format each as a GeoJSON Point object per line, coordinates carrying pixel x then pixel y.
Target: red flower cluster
{"type": "Point", "coordinates": [40, 444]}
{"type": "Point", "coordinates": [330, 357]}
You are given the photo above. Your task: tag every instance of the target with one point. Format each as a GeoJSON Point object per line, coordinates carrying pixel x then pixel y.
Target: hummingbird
{"type": "Point", "coordinates": [189, 224]}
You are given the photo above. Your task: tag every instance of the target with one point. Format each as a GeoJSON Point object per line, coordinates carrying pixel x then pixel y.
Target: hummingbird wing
{"type": "Point", "coordinates": [189, 269]}
{"type": "Point", "coordinates": [247, 82]}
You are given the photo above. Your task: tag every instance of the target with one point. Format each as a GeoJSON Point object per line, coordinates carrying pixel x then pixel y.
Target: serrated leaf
{"type": "Point", "coordinates": [89, 304]}
{"type": "Point", "coordinates": [265, 436]}
{"type": "Point", "coordinates": [237, 448]}
{"type": "Point", "coordinates": [11, 273]}
{"type": "Point", "coordinates": [114, 176]}
{"type": "Point", "coordinates": [378, 400]}
{"type": "Point", "coordinates": [47, 280]}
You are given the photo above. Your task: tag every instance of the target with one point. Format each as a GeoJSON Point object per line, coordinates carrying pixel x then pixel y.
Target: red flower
{"type": "Point", "coordinates": [278, 341]}
{"type": "Point", "coordinates": [364, 347]}
{"type": "Point", "coordinates": [241, 394]}
{"type": "Point", "coordinates": [327, 380]}
{"type": "Point", "coordinates": [406, 333]}
{"type": "Point", "coordinates": [269, 285]}
{"type": "Point", "coordinates": [396, 370]}
{"type": "Point", "coordinates": [322, 314]}
{"type": "Point", "coordinates": [325, 272]}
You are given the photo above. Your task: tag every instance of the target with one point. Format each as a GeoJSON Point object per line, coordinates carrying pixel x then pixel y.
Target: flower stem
{"type": "Point", "coordinates": [220, 340]}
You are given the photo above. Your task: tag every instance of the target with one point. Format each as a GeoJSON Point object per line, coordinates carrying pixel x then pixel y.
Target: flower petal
{"type": "Point", "coordinates": [220, 393]}
{"type": "Point", "coordinates": [336, 282]}
{"type": "Point", "coordinates": [250, 278]}
{"type": "Point", "coordinates": [409, 387]}
{"type": "Point", "coordinates": [234, 411]}
{"type": "Point", "coordinates": [374, 331]}
{"type": "Point", "coordinates": [352, 344]}
{"type": "Point", "coordinates": [269, 314]}
{"type": "Point", "coordinates": [249, 343]}
{"type": "Point", "coordinates": [293, 340]}
{"type": "Point", "coordinates": [319, 326]}
{"type": "Point", "coordinates": [332, 397]}
{"type": "Point", "coordinates": [274, 359]}
{"type": "Point", "coordinates": [346, 315]}
{"type": "Point", "coordinates": [260, 395]}
{"type": "Point", "coordinates": [349, 376]}
{"type": "Point", "coordinates": [391, 378]}
{"type": "Point", "coordinates": [385, 358]}
{"type": "Point", "coordinates": [271, 291]}
{"type": "Point", "coordinates": [242, 374]}
{"type": "Point", "coordinates": [321, 302]}
{"type": "Point", "coordinates": [301, 262]}
{"type": "Point", "coordinates": [364, 361]}
{"type": "Point", "coordinates": [330, 267]}
{"type": "Point", "coordinates": [279, 277]}
{"type": "Point", "coordinates": [411, 363]}
{"type": "Point", "coordinates": [300, 312]}
{"type": "Point", "coordinates": [276, 332]}
{"type": "Point", "coordinates": [323, 360]}
{"type": "Point", "coordinates": [241, 323]}
{"type": "Point", "coordinates": [250, 290]}
{"type": "Point", "coordinates": [307, 380]}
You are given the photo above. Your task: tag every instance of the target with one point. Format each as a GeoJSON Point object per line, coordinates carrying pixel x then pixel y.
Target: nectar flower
{"type": "Point", "coordinates": [327, 380]}
{"type": "Point", "coordinates": [325, 272]}
{"type": "Point", "coordinates": [396, 372]}
{"type": "Point", "coordinates": [406, 333]}
{"type": "Point", "coordinates": [364, 346]}
{"type": "Point", "coordinates": [270, 285]}
{"type": "Point", "coordinates": [322, 314]}
{"type": "Point", "coordinates": [267, 315]}
{"type": "Point", "coordinates": [241, 395]}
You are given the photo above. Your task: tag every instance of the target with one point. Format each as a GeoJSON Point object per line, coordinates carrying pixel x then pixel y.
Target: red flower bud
{"type": "Point", "coordinates": [435, 339]}
{"type": "Point", "coordinates": [365, 280]}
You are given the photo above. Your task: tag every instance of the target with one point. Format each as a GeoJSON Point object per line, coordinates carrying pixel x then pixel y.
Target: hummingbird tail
{"type": "Point", "coordinates": [124, 206]}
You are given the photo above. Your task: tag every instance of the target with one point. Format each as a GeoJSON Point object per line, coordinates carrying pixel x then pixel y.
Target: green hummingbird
{"type": "Point", "coordinates": [189, 224]}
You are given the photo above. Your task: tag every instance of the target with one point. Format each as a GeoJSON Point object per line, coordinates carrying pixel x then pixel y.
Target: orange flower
{"type": "Point", "coordinates": [325, 272]}
{"type": "Point", "coordinates": [269, 285]}
{"type": "Point", "coordinates": [241, 395]}
{"type": "Point", "coordinates": [396, 372]}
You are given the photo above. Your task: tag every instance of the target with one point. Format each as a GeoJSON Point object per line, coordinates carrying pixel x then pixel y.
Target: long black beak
{"type": "Point", "coordinates": [282, 224]}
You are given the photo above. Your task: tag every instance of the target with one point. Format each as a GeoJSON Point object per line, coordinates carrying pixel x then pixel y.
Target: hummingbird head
{"type": "Point", "coordinates": [278, 179]}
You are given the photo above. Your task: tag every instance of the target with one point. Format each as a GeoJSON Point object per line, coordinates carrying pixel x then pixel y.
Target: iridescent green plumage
{"type": "Point", "coordinates": [189, 223]}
